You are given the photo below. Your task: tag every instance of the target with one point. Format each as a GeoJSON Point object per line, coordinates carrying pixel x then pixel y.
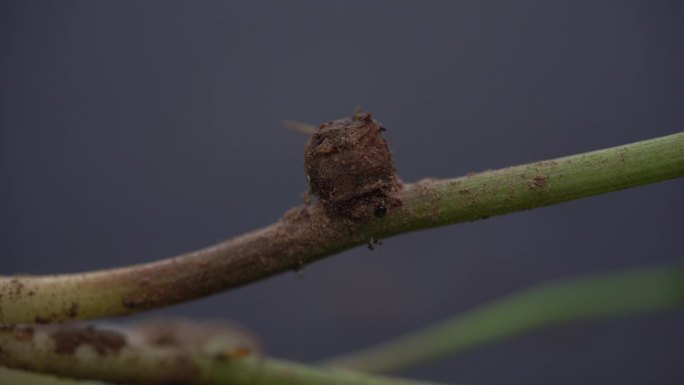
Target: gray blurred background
{"type": "Point", "coordinates": [133, 131]}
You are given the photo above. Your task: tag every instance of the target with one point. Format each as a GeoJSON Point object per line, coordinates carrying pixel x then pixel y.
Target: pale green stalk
{"type": "Point", "coordinates": [609, 295]}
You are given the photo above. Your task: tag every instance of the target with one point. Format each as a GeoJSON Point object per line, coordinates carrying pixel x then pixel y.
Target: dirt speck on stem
{"type": "Point", "coordinates": [20, 332]}
{"type": "Point", "coordinates": [68, 340]}
{"type": "Point", "coordinates": [72, 311]}
{"type": "Point", "coordinates": [539, 182]}
{"type": "Point", "coordinates": [42, 320]}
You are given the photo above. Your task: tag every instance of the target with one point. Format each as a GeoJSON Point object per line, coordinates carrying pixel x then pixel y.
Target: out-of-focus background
{"type": "Point", "coordinates": [134, 131]}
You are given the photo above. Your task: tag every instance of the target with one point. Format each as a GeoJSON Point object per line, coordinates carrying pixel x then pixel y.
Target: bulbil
{"type": "Point", "coordinates": [351, 170]}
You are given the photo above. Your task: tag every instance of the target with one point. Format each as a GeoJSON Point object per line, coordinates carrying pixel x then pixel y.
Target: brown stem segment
{"type": "Point", "coordinates": [306, 234]}
{"type": "Point", "coordinates": [296, 239]}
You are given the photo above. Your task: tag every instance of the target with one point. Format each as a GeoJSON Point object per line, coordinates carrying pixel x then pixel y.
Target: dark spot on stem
{"type": "Point", "coordinates": [21, 333]}
{"type": "Point", "coordinates": [68, 340]}
{"type": "Point", "coordinates": [42, 320]}
{"type": "Point", "coordinates": [381, 210]}
{"type": "Point", "coordinates": [72, 311]}
{"type": "Point", "coordinates": [539, 182]}
{"type": "Point", "coordinates": [16, 286]}
{"type": "Point", "coordinates": [132, 303]}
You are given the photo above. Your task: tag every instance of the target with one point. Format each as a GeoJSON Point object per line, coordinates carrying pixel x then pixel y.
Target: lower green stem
{"type": "Point", "coordinates": [84, 353]}
{"type": "Point", "coordinates": [615, 294]}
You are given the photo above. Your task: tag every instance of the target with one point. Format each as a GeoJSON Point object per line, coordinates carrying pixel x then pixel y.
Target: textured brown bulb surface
{"type": "Point", "coordinates": [350, 168]}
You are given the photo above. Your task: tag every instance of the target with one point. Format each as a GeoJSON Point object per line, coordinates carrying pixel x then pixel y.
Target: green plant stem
{"type": "Point", "coordinates": [614, 294]}
{"type": "Point", "coordinates": [272, 371]}
{"type": "Point", "coordinates": [20, 377]}
{"type": "Point", "coordinates": [92, 355]}
{"type": "Point", "coordinates": [307, 234]}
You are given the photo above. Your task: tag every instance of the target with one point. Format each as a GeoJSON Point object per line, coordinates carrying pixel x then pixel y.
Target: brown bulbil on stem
{"type": "Point", "coordinates": [351, 169]}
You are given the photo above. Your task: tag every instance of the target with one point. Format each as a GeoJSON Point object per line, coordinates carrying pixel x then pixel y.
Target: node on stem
{"type": "Point", "coordinates": [351, 170]}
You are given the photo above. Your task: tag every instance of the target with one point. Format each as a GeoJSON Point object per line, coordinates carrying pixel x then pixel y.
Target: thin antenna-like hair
{"type": "Point", "coordinates": [299, 126]}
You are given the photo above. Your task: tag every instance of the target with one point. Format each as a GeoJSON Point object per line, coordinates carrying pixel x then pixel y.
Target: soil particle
{"type": "Point", "coordinates": [20, 332]}
{"type": "Point", "coordinates": [351, 170]}
{"type": "Point", "coordinates": [23, 333]}
{"type": "Point", "coordinates": [42, 320]}
{"type": "Point", "coordinates": [131, 303]}
{"type": "Point", "coordinates": [380, 210]}
{"type": "Point", "coordinates": [17, 285]}
{"type": "Point", "coordinates": [539, 182]}
{"type": "Point", "coordinates": [72, 311]}
{"type": "Point", "coordinates": [68, 340]}
{"type": "Point", "coordinates": [374, 243]}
